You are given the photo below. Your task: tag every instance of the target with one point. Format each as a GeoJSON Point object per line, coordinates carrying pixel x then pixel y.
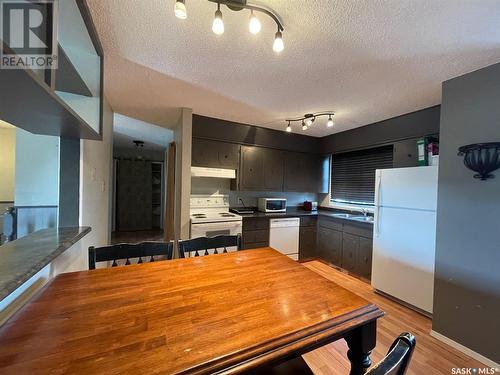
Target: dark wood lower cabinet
{"type": "Point", "coordinates": [346, 245]}
{"type": "Point", "coordinates": [255, 233]}
{"type": "Point", "coordinates": [330, 245]}
{"type": "Point", "coordinates": [350, 250]}
{"type": "Point", "coordinates": [307, 243]}
{"type": "Point", "coordinates": [365, 257]}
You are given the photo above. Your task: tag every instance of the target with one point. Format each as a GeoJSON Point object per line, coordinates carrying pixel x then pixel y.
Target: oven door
{"type": "Point", "coordinates": [226, 228]}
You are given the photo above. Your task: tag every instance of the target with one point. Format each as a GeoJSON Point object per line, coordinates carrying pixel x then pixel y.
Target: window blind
{"type": "Point", "coordinates": [353, 173]}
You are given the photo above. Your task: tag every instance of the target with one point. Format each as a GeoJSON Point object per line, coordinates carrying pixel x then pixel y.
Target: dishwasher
{"type": "Point", "coordinates": [284, 236]}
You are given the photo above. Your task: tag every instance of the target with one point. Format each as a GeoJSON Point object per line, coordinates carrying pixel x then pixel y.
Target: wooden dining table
{"type": "Point", "coordinates": [219, 314]}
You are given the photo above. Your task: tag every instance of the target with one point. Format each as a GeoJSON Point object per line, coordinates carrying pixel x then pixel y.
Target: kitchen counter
{"type": "Point", "coordinates": [298, 212]}
{"type": "Point", "coordinates": [23, 258]}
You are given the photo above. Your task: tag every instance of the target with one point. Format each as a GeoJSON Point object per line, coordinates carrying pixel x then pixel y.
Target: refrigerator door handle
{"type": "Point", "coordinates": [378, 192]}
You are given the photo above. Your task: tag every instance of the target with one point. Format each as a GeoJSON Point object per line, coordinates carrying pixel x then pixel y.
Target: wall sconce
{"type": "Point", "coordinates": [482, 158]}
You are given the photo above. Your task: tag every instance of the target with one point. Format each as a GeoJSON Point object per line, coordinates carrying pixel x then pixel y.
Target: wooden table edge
{"type": "Point", "coordinates": [288, 346]}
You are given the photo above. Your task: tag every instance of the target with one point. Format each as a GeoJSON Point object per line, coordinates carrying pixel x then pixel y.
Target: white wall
{"type": "Point", "coordinates": [37, 169]}
{"type": "Point", "coordinates": [182, 138]}
{"type": "Point", "coordinates": [7, 163]}
{"type": "Point", "coordinates": [95, 185]}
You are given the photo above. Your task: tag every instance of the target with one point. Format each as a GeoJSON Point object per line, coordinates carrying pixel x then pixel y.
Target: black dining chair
{"type": "Point", "coordinates": [202, 245]}
{"type": "Point", "coordinates": [398, 358]}
{"type": "Point", "coordinates": [144, 251]}
{"type": "Point", "coordinates": [396, 361]}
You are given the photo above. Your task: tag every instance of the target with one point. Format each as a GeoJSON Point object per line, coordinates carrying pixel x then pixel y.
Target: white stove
{"type": "Point", "coordinates": [210, 217]}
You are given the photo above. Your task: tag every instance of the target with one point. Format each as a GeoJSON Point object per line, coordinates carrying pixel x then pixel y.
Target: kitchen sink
{"type": "Point", "coordinates": [365, 219]}
{"type": "Point", "coordinates": [343, 216]}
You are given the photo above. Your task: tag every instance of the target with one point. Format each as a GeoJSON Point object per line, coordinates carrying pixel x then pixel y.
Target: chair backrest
{"type": "Point", "coordinates": [201, 245]}
{"type": "Point", "coordinates": [398, 358]}
{"type": "Point", "coordinates": [144, 251]}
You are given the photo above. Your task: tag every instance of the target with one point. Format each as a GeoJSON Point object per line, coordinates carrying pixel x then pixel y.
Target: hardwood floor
{"type": "Point", "coordinates": [431, 356]}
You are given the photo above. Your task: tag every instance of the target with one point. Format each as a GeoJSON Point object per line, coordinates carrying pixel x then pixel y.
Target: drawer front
{"type": "Point", "coordinates": [308, 221]}
{"type": "Point", "coordinates": [256, 236]}
{"type": "Point", "coordinates": [326, 222]}
{"type": "Point", "coordinates": [253, 223]}
{"type": "Point", "coordinates": [363, 230]}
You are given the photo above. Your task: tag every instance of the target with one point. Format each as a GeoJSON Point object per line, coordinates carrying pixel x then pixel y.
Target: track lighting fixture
{"type": "Point", "coordinates": [254, 25]}
{"type": "Point", "coordinates": [278, 44]}
{"type": "Point", "coordinates": [218, 25]}
{"type": "Point", "coordinates": [180, 9]}
{"type": "Point", "coordinates": [308, 119]}
{"type": "Point", "coordinates": [330, 121]}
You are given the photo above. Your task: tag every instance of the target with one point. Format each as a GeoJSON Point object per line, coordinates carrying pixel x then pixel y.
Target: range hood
{"type": "Point", "coordinates": [213, 172]}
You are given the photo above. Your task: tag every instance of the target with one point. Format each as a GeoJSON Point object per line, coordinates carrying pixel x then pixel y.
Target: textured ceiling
{"type": "Point", "coordinates": [127, 129]}
{"type": "Point", "coordinates": [366, 60]}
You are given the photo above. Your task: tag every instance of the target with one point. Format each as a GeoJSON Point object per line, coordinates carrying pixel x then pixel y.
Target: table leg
{"type": "Point", "coordinates": [361, 342]}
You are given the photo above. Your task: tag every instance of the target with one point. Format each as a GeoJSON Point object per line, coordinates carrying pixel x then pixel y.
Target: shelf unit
{"type": "Point", "coordinates": [157, 198]}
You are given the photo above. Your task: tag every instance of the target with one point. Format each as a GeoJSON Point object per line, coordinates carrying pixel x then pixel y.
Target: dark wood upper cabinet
{"type": "Point", "coordinates": [261, 169]}
{"type": "Point", "coordinates": [302, 172]}
{"type": "Point", "coordinates": [405, 154]}
{"type": "Point", "coordinates": [273, 169]}
{"type": "Point", "coordinates": [229, 155]}
{"type": "Point", "coordinates": [251, 168]}
{"type": "Point", "coordinates": [214, 154]}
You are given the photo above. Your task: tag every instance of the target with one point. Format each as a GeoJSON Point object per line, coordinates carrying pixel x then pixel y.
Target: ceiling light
{"type": "Point", "coordinates": [218, 25]}
{"type": "Point", "coordinates": [309, 118]}
{"type": "Point", "coordinates": [254, 25]}
{"type": "Point", "coordinates": [278, 45]}
{"type": "Point", "coordinates": [330, 121]}
{"type": "Point", "coordinates": [180, 9]}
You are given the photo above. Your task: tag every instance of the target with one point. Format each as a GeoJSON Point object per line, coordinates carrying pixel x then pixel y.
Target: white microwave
{"type": "Point", "coordinates": [272, 204]}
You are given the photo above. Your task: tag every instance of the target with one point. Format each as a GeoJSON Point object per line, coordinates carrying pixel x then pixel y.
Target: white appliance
{"type": "Point", "coordinates": [213, 172]}
{"type": "Point", "coordinates": [284, 236]}
{"type": "Point", "coordinates": [210, 217]}
{"type": "Point", "coordinates": [404, 238]}
{"type": "Point", "coordinates": [272, 204]}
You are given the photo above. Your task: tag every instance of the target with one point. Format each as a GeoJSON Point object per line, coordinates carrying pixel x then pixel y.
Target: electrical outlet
{"type": "Point", "coordinates": [103, 186]}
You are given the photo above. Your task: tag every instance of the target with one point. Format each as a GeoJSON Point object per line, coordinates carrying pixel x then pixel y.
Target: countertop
{"type": "Point", "coordinates": [23, 258]}
{"type": "Point", "coordinates": [298, 212]}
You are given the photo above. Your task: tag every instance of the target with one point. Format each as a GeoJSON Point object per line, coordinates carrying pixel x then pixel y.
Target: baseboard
{"type": "Point", "coordinates": [471, 353]}
{"type": "Point", "coordinates": [405, 304]}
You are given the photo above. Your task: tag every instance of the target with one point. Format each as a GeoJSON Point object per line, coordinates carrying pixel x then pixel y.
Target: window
{"type": "Point", "coordinates": [353, 174]}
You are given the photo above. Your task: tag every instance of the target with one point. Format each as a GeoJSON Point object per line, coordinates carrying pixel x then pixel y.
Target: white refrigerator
{"type": "Point", "coordinates": [404, 235]}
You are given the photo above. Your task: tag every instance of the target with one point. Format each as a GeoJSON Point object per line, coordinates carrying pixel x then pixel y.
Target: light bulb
{"type": "Point", "coordinates": [304, 126]}
{"type": "Point", "coordinates": [278, 45]}
{"type": "Point", "coordinates": [330, 122]}
{"type": "Point", "coordinates": [288, 128]}
{"type": "Point", "coordinates": [218, 25]}
{"type": "Point", "coordinates": [180, 9]}
{"type": "Point", "coordinates": [310, 121]}
{"type": "Point", "coordinates": [254, 25]}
